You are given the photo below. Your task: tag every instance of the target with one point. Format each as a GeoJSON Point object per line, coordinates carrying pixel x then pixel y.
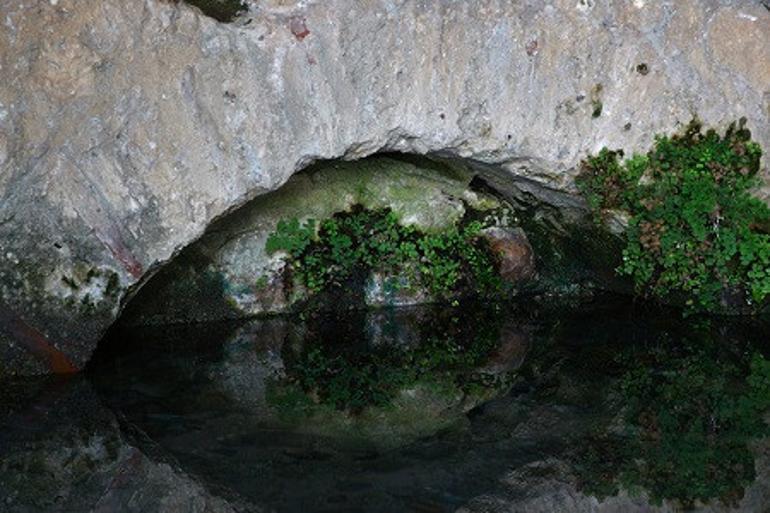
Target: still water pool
{"type": "Point", "coordinates": [605, 407]}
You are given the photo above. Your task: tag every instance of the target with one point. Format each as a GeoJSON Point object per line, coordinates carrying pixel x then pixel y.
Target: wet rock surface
{"type": "Point", "coordinates": [127, 127]}
{"type": "Point", "coordinates": [515, 254]}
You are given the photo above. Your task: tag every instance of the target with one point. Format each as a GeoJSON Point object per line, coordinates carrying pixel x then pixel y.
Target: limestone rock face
{"type": "Point", "coordinates": [127, 126]}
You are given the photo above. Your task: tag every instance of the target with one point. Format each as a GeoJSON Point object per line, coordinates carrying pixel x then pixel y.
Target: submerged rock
{"type": "Point", "coordinates": [374, 381]}
{"type": "Point", "coordinates": [383, 289]}
{"type": "Point", "coordinates": [378, 382]}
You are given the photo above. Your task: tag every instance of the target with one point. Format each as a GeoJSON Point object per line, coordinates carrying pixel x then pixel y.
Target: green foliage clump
{"type": "Point", "coordinates": [353, 243]}
{"type": "Point", "coordinates": [695, 229]}
{"type": "Point", "coordinates": [291, 236]}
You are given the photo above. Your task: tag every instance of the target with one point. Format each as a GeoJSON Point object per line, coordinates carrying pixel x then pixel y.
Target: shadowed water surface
{"type": "Point", "coordinates": [431, 410]}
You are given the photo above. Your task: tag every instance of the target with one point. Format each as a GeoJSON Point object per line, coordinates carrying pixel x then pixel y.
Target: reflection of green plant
{"type": "Point", "coordinates": [688, 420]}
{"type": "Point", "coordinates": [355, 378]}
{"type": "Point", "coordinates": [363, 240]}
{"type": "Point", "coordinates": [694, 226]}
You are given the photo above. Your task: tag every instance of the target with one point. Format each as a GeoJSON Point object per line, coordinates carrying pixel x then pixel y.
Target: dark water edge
{"type": "Point", "coordinates": [514, 408]}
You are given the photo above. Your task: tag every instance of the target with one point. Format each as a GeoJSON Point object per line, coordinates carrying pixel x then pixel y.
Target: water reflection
{"type": "Point", "coordinates": [376, 380]}
{"type": "Point", "coordinates": [688, 410]}
{"type": "Point", "coordinates": [471, 409]}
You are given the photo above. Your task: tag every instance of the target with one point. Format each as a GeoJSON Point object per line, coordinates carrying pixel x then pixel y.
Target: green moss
{"type": "Point", "coordinates": [262, 282]}
{"type": "Point", "coordinates": [597, 107]}
{"type": "Point", "coordinates": [694, 227]}
{"type": "Point", "coordinates": [70, 282]}
{"type": "Point", "coordinates": [113, 285]}
{"type": "Point", "coordinates": [596, 102]}
{"type": "Point", "coordinates": [423, 197]}
{"type": "Point", "coordinates": [358, 242]}
{"type": "Point", "coordinates": [86, 302]}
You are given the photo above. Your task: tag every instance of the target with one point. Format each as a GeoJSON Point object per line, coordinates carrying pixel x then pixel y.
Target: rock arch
{"type": "Point", "coordinates": [128, 126]}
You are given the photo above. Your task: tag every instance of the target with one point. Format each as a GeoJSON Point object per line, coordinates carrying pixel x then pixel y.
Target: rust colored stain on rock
{"type": "Point", "coordinates": [34, 342]}
{"type": "Point", "coordinates": [299, 28]}
{"type": "Point", "coordinates": [514, 252]}
{"type": "Point", "coordinates": [110, 237]}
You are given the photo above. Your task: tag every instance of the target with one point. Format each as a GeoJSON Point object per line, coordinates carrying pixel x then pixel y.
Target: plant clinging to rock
{"type": "Point", "coordinates": [695, 230]}
{"type": "Point", "coordinates": [357, 242]}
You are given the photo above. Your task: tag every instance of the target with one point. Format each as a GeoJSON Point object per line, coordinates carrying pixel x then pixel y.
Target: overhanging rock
{"type": "Point", "coordinates": [127, 126]}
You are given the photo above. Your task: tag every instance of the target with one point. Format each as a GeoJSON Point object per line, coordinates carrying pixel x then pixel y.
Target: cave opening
{"type": "Point", "coordinates": [383, 298]}
{"type": "Point", "coordinates": [273, 383]}
{"type": "Point", "coordinates": [389, 230]}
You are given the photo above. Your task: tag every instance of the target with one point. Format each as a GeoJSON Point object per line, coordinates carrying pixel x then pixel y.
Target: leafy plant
{"type": "Point", "coordinates": [695, 228]}
{"type": "Point", "coordinates": [291, 236]}
{"type": "Point", "coordinates": [360, 241]}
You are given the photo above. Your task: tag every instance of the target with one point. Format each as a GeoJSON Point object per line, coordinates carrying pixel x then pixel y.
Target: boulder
{"type": "Point", "coordinates": [514, 252]}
